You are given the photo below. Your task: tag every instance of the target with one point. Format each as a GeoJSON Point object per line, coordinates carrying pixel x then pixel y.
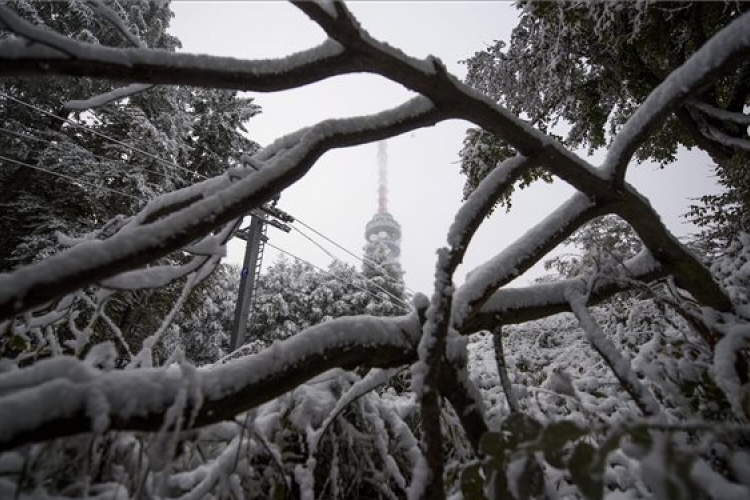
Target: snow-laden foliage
{"type": "Point", "coordinates": [202, 328]}
{"type": "Point", "coordinates": [293, 295]}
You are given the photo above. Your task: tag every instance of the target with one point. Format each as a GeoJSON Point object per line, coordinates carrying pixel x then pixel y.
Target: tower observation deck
{"type": "Point", "coordinates": [383, 227]}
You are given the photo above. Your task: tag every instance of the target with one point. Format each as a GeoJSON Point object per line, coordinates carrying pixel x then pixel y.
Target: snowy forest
{"type": "Point", "coordinates": [126, 166]}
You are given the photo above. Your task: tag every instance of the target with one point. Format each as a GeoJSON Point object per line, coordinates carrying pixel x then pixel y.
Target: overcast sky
{"type": "Point", "coordinates": [339, 195]}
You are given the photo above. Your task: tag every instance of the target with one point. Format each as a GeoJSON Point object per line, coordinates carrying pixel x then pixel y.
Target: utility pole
{"type": "Point", "coordinates": [255, 239]}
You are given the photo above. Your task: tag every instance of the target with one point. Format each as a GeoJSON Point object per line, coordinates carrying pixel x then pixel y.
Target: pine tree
{"type": "Point", "coordinates": [202, 329]}
{"type": "Point", "coordinates": [385, 280]}
{"type": "Point", "coordinates": [165, 138]}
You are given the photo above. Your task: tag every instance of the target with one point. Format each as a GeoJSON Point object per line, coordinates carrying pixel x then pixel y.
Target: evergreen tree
{"type": "Point", "coordinates": [385, 280]}
{"type": "Point", "coordinates": [292, 296]}
{"type": "Point", "coordinates": [162, 138]}
{"type": "Point", "coordinates": [202, 328]}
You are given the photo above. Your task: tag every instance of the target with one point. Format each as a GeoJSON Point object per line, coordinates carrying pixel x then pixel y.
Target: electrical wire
{"type": "Point", "coordinates": [364, 260]}
{"type": "Point", "coordinates": [400, 301]}
{"type": "Point", "coordinates": [103, 136]}
{"type": "Point", "coordinates": [73, 179]}
{"type": "Point", "coordinates": [49, 142]}
{"type": "Point", "coordinates": [385, 276]}
{"type": "Point", "coordinates": [308, 238]}
{"type": "Point", "coordinates": [24, 136]}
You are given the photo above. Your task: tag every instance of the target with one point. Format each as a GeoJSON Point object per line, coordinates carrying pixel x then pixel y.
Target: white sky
{"type": "Point", "coordinates": [339, 195]}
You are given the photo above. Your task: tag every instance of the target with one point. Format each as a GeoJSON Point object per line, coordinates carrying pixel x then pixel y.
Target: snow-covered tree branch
{"type": "Point", "coordinates": [93, 400]}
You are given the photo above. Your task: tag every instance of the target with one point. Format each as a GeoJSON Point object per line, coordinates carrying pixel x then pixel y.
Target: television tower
{"type": "Point", "coordinates": [383, 227]}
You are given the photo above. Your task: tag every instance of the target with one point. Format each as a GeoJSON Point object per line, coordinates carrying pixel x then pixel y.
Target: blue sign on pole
{"type": "Point", "coordinates": [244, 272]}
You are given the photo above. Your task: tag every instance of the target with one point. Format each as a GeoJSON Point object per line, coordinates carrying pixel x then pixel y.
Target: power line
{"type": "Point", "coordinates": [170, 164]}
{"type": "Point", "coordinates": [49, 142]}
{"type": "Point", "coordinates": [24, 136]}
{"type": "Point", "coordinates": [401, 301]}
{"type": "Point", "coordinates": [335, 258]}
{"type": "Point", "coordinates": [314, 242]}
{"type": "Point", "coordinates": [103, 136]}
{"type": "Point", "coordinates": [364, 260]}
{"type": "Point", "coordinates": [73, 179]}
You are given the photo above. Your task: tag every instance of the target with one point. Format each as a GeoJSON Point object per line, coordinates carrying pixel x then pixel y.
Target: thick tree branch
{"type": "Point", "coordinates": [690, 274]}
{"type": "Point", "coordinates": [439, 319]}
{"type": "Point", "coordinates": [54, 399]}
{"type": "Point", "coordinates": [55, 54]}
{"type": "Point", "coordinates": [509, 306]}
{"type": "Point", "coordinates": [361, 54]}
{"type": "Point", "coordinates": [430, 78]}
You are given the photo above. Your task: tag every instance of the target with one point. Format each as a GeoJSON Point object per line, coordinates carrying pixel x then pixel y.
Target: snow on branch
{"type": "Point", "coordinates": [353, 51]}
{"type": "Point", "coordinates": [52, 399]}
{"type": "Point", "coordinates": [483, 281]}
{"type": "Point", "coordinates": [509, 306]}
{"type": "Point", "coordinates": [483, 198]}
{"type": "Point", "coordinates": [137, 245]}
{"type": "Point", "coordinates": [690, 273]}
{"type": "Point", "coordinates": [152, 277]}
{"type": "Point", "coordinates": [617, 362]}
{"type": "Point", "coordinates": [432, 347]}
{"type": "Point", "coordinates": [723, 50]}
{"type": "Point", "coordinates": [53, 53]}
{"type": "Point", "coordinates": [430, 78]}
{"type": "Point", "coordinates": [107, 97]}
